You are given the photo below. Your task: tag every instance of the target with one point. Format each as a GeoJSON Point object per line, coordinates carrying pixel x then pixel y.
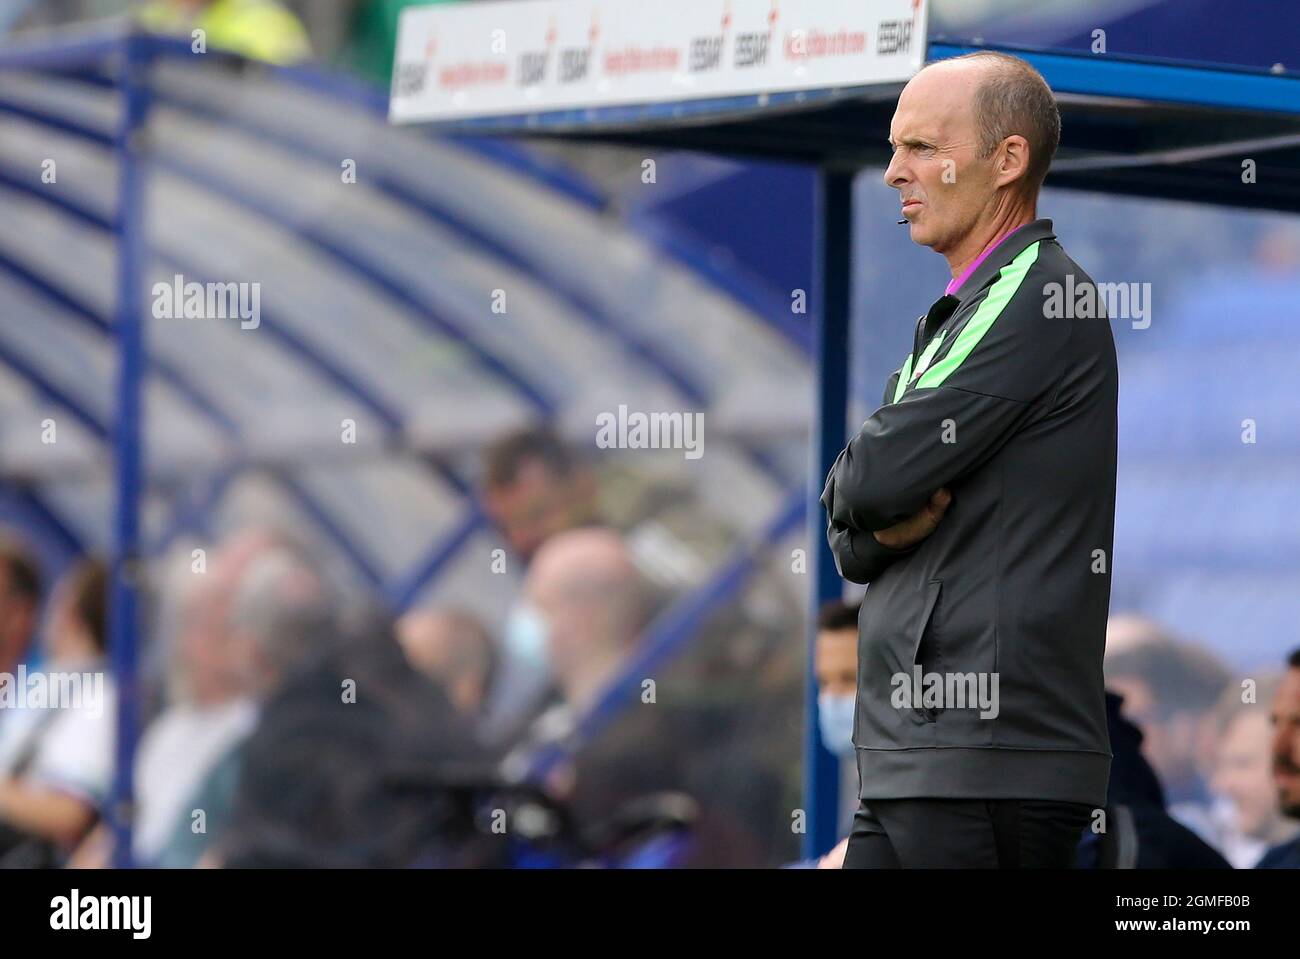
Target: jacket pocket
{"type": "Point", "coordinates": [925, 650]}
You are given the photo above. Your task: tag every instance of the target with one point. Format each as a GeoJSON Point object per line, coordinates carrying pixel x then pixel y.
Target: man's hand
{"type": "Point", "coordinates": [835, 858]}
{"type": "Point", "coordinates": [917, 526]}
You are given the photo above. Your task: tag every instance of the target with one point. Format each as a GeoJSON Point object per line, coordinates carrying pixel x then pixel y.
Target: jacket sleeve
{"type": "Point", "coordinates": [1006, 359]}
{"type": "Point", "coordinates": [859, 556]}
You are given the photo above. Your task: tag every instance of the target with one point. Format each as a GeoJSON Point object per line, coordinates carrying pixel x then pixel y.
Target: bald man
{"type": "Point", "coordinates": [586, 601]}
{"type": "Point", "coordinates": [978, 503]}
{"type": "Point", "coordinates": [591, 604]}
{"type": "Point", "coordinates": [591, 601]}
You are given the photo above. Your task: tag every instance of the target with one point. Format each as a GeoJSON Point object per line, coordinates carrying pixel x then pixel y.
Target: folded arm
{"type": "Point", "coordinates": [1004, 361]}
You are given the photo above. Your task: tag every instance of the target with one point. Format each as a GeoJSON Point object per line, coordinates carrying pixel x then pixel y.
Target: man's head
{"type": "Point", "coordinates": [534, 487]}
{"type": "Point", "coordinates": [1286, 738]}
{"type": "Point", "coordinates": [836, 652]}
{"type": "Point", "coordinates": [1170, 690]}
{"type": "Point", "coordinates": [452, 648]}
{"type": "Point", "coordinates": [209, 667]}
{"type": "Point", "coordinates": [20, 601]}
{"type": "Point", "coordinates": [973, 137]}
{"type": "Point", "coordinates": [79, 613]}
{"type": "Point", "coordinates": [282, 615]}
{"type": "Point", "coordinates": [836, 663]}
{"type": "Point", "coordinates": [585, 588]}
{"type": "Point", "coordinates": [1243, 765]}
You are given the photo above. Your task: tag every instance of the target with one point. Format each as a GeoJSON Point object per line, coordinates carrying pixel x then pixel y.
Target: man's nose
{"type": "Point", "coordinates": [896, 174]}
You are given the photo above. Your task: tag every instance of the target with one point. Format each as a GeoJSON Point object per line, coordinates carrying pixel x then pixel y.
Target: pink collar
{"type": "Point", "coordinates": [957, 281]}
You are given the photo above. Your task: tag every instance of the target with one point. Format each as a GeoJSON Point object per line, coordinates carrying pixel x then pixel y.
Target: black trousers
{"type": "Point", "coordinates": [965, 834]}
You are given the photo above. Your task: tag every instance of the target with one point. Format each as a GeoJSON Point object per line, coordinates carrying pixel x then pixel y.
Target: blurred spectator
{"type": "Point", "coordinates": [344, 716]}
{"type": "Point", "coordinates": [20, 604]}
{"type": "Point", "coordinates": [257, 29]}
{"type": "Point", "coordinates": [835, 657]}
{"type": "Point", "coordinates": [56, 768]}
{"type": "Point", "coordinates": [1138, 832]}
{"type": "Point", "coordinates": [744, 663]}
{"type": "Point", "coordinates": [1243, 775]}
{"type": "Point", "coordinates": [453, 649]}
{"type": "Point", "coordinates": [1170, 689]}
{"type": "Point", "coordinates": [1286, 761]}
{"type": "Point", "coordinates": [836, 661]}
{"type": "Point", "coordinates": [533, 488]}
{"type": "Point", "coordinates": [1127, 631]}
{"type": "Point", "coordinates": [203, 729]}
{"type": "Point", "coordinates": [592, 604]}
{"type": "Point", "coordinates": [589, 605]}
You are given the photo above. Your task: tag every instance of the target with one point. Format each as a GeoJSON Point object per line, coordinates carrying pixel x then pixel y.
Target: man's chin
{"type": "Point", "coordinates": [920, 235]}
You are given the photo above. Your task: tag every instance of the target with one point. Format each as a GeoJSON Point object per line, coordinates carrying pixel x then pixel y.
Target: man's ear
{"type": "Point", "coordinates": [1014, 160]}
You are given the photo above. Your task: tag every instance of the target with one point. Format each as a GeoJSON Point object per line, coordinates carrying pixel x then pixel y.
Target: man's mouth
{"type": "Point", "coordinates": [910, 205]}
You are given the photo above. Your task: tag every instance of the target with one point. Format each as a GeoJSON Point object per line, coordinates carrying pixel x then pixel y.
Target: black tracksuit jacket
{"type": "Point", "coordinates": [1013, 408]}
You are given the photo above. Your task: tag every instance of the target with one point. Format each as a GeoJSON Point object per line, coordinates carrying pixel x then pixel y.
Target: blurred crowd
{"type": "Point", "coordinates": [290, 727]}
{"type": "Point", "coordinates": [287, 726]}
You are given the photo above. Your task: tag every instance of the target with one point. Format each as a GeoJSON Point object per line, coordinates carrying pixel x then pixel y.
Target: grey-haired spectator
{"type": "Point", "coordinates": [1170, 690]}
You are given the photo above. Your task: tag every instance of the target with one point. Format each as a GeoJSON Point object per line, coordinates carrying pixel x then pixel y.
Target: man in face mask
{"type": "Point", "coordinates": [836, 655]}
{"type": "Point", "coordinates": [836, 661]}
{"type": "Point", "coordinates": [533, 488]}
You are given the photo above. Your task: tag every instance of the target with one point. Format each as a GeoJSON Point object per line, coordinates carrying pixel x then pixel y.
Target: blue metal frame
{"type": "Point", "coordinates": [87, 315]}
{"type": "Point", "coordinates": [643, 115]}
{"type": "Point", "coordinates": [584, 309]}
{"type": "Point", "coordinates": [52, 391]}
{"type": "Point", "coordinates": [533, 165]}
{"type": "Point", "coordinates": [1161, 81]}
{"type": "Point", "coordinates": [832, 274]}
{"type": "Point", "coordinates": [370, 570]}
{"type": "Point", "coordinates": [375, 274]}
{"type": "Point", "coordinates": [191, 511]}
{"type": "Point", "coordinates": [403, 594]}
{"type": "Point", "coordinates": [58, 122]}
{"type": "Point", "coordinates": [127, 559]}
{"type": "Point", "coordinates": [32, 504]}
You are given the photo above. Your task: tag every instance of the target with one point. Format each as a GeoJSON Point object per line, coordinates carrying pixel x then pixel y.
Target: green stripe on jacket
{"type": "Point", "coordinates": [1003, 289]}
